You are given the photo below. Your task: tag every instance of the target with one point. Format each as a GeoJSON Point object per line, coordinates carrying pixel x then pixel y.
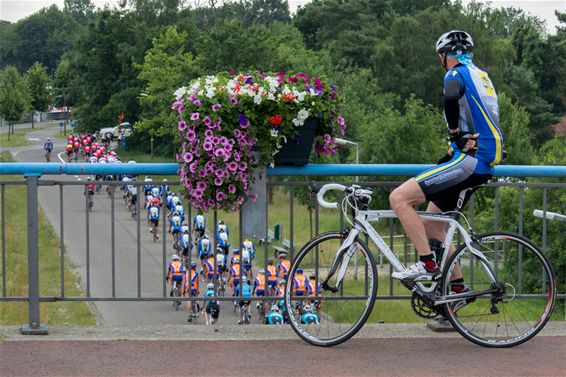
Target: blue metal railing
{"type": "Point", "coordinates": [32, 172]}
{"type": "Point", "coordinates": [28, 169]}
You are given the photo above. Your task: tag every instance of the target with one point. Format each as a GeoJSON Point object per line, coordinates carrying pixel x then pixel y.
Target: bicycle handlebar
{"type": "Point", "coordinates": [324, 189]}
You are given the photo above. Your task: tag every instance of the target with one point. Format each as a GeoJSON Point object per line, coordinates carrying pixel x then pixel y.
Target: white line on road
{"type": "Point", "coordinates": [33, 139]}
{"type": "Point", "coordinates": [60, 158]}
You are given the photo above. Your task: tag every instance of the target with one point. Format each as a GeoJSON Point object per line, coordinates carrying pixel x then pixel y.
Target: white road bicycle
{"type": "Point", "coordinates": [511, 284]}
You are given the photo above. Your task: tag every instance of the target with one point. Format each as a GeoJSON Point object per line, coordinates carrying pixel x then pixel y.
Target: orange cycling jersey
{"type": "Point", "coordinates": [176, 268]}
{"type": "Point", "coordinates": [235, 271]}
{"type": "Point", "coordinates": [314, 291]}
{"type": "Point", "coordinates": [192, 276]}
{"type": "Point", "coordinates": [209, 266]}
{"type": "Point", "coordinates": [271, 274]}
{"type": "Point", "coordinates": [259, 282]}
{"type": "Point", "coordinates": [284, 266]}
{"type": "Point", "coordinates": [301, 284]}
{"type": "Point", "coordinates": [280, 291]}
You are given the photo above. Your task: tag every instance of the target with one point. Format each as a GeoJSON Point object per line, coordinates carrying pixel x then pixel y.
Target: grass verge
{"type": "Point", "coordinates": [17, 139]}
{"type": "Point", "coordinates": [56, 313]}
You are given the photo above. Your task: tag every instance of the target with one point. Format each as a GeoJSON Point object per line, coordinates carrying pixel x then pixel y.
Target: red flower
{"type": "Point", "coordinates": [276, 120]}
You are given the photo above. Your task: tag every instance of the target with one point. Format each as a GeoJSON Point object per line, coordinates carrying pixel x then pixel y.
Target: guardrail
{"type": "Point", "coordinates": [34, 174]}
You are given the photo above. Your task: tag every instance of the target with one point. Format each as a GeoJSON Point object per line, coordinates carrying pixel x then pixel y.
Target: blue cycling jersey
{"type": "Point", "coordinates": [274, 318]}
{"type": "Point", "coordinates": [479, 113]}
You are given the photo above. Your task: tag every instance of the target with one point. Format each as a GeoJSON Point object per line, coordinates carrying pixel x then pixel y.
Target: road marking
{"type": "Point", "coordinates": [60, 158]}
{"type": "Point", "coordinates": [33, 139]}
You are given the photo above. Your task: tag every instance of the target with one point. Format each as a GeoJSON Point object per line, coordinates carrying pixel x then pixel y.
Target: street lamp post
{"type": "Point", "coordinates": [349, 142]}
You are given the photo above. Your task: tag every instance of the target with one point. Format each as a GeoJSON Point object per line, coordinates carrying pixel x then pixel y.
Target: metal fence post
{"type": "Point", "coordinates": [33, 327]}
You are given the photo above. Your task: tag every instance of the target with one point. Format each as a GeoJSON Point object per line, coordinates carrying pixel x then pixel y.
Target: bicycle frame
{"type": "Point", "coordinates": [362, 224]}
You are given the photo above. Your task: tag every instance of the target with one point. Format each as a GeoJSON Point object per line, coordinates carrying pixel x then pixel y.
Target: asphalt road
{"type": "Point", "coordinates": [541, 357]}
{"type": "Point", "coordinates": [99, 278]}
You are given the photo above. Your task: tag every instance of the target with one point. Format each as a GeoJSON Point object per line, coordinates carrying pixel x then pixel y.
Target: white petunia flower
{"type": "Point", "coordinates": [274, 133]}
{"type": "Point", "coordinates": [179, 93]}
{"type": "Point", "coordinates": [298, 122]}
{"type": "Point", "coordinates": [303, 114]}
{"type": "Point", "coordinates": [257, 99]}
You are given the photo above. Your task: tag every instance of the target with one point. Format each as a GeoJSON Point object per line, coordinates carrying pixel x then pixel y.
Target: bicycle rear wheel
{"type": "Point", "coordinates": [525, 297]}
{"type": "Point", "coordinates": [342, 313]}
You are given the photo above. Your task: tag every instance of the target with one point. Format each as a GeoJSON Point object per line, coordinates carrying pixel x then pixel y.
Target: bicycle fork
{"type": "Point", "coordinates": [341, 261]}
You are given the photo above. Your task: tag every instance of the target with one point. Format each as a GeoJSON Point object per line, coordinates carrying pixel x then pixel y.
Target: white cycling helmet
{"type": "Point", "coordinates": [210, 286]}
{"type": "Point", "coordinates": [175, 257]}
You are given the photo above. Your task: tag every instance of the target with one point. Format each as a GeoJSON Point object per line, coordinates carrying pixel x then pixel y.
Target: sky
{"type": "Point", "coordinates": [13, 10]}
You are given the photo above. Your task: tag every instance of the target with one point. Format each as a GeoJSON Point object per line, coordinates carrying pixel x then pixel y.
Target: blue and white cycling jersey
{"type": "Point", "coordinates": [274, 318]}
{"type": "Point", "coordinates": [175, 222]}
{"type": "Point", "coordinates": [309, 318]}
{"type": "Point", "coordinates": [153, 213]}
{"type": "Point", "coordinates": [222, 239]}
{"type": "Point", "coordinates": [222, 228]}
{"type": "Point", "coordinates": [199, 222]}
{"type": "Point", "coordinates": [479, 113]}
{"type": "Point", "coordinates": [203, 247]}
{"type": "Point", "coordinates": [185, 241]}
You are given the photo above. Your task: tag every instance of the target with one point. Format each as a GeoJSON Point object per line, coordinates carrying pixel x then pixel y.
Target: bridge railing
{"type": "Point", "coordinates": [285, 184]}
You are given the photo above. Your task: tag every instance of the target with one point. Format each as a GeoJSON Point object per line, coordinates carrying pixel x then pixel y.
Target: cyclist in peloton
{"type": "Point", "coordinates": [191, 287]}
{"type": "Point", "coordinates": [175, 273]}
{"type": "Point", "coordinates": [274, 317]}
{"type": "Point", "coordinates": [211, 307]}
{"type": "Point", "coordinates": [199, 226]}
{"type": "Point", "coordinates": [472, 116]}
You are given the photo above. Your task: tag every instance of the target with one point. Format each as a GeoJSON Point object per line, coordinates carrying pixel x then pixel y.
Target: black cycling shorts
{"type": "Point", "coordinates": [214, 309]}
{"type": "Point", "coordinates": [443, 183]}
{"type": "Point", "coordinates": [242, 303]}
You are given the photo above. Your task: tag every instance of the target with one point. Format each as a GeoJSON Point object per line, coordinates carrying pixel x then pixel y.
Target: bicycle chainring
{"type": "Point", "coordinates": [421, 308]}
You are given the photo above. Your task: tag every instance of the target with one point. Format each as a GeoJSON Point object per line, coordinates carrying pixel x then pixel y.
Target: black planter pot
{"type": "Point", "coordinates": [294, 153]}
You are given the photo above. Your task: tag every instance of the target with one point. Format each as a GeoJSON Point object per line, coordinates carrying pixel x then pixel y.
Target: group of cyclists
{"type": "Point", "coordinates": [223, 271]}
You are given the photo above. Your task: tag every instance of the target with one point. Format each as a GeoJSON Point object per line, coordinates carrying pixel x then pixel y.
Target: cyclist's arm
{"type": "Point", "coordinates": [453, 91]}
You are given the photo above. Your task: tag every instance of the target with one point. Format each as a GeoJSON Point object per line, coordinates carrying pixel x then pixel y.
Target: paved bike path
{"type": "Point", "coordinates": [231, 352]}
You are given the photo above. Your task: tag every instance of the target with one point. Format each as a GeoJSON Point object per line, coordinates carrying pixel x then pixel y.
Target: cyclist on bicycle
{"type": "Point", "coordinates": [221, 261]}
{"type": "Point", "coordinates": [274, 317]}
{"type": "Point", "coordinates": [259, 288]}
{"type": "Point", "coordinates": [283, 266]}
{"type": "Point", "coordinates": [236, 255]}
{"type": "Point", "coordinates": [308, 315]}
{"type": "Point", "coordinates": [148, 186]}
{"type": "Point", "coordinates": [175, 273]}
{"type": "Point", "coordinates": [199, 225]}
{"type": "Point", "coordinates": [234, 278]}
{"type": "Point", "coordinates": [175, 226]}
{"type": "Point", "coordinates": [48, 146]}
{"type": "Point", "coordinates": [271, 277]}
{"type": "Point", "coordinates": [222, 227]}
{"type": "Point", "coordinates": [246, 293]}
{"type": "Point", "coordinates": [203, 248]}
{"type": "Point", "coordinates": [153, 219]}
{"type": "Point", "coordinates": [210, 272]}
{"type": "Point", "coordinates": [316, 292]}
{"type": "Point", "coordinates": [223, 243]}
{"type": "Point", "coordinates": [211, 307]}
{"type": "Point", "coordinates": [185, 246]}
{"type": "Point", "coordinates": [472, 115]}
{"type": "Point", "coordinates": [248, 254]}
{"type": "Point", "coordinates": [180, 211]}
{"type": "Point", "coordinates": [191, 287]}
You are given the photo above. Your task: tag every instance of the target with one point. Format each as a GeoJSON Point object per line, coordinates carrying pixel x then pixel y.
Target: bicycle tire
{"type": "Point", "coordinates": [349, 308]}
{"type": "Point", "coordinates": [521, 309]}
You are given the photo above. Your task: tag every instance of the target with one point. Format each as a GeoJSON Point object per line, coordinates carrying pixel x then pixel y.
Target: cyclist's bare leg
{"type": "Point", "coordinates": [437, 230]}
{"type": "Point", "coordinates": [402, 201]}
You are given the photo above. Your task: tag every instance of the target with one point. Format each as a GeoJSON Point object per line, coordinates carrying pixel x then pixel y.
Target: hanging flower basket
{"type": "Point", "coordinates": [229, 123]}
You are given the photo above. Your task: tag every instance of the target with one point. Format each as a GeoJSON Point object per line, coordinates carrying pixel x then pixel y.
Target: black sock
{"type": "Point", "coordinates": [427, 258]}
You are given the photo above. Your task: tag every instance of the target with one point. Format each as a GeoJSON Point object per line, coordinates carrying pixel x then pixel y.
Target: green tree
{"type": "Point", "coordinates": [167, 66]}
{"type": "Point", "coordinates": [14, 97]}
{"type": "Point", "coordinates": [38, 83]}
{"type": "Point", "coordinates": [81, 10]}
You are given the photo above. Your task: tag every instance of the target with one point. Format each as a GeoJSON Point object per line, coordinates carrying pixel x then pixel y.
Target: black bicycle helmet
{"type": "Point", "coordinates": [456, 41]}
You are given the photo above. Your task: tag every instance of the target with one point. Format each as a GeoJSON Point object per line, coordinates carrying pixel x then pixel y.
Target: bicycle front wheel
{"type": "Point", "coordinates": [340, 312]}
{"type": "Point", "coordinates": [525, 284]}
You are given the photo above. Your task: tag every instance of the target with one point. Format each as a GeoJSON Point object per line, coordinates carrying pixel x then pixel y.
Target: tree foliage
{"type": "Point", "coordinates": [38, 84]}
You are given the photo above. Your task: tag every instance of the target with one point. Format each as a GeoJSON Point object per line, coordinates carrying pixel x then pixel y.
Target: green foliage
{"type": "Point", "coordinates": [517, 137]}
{"type": "Point", "coordinates": [38, 83]}
{"type": "Point", "coordinates": [166, 67]}
{"type": "Point", "coordinates": [14, 95]}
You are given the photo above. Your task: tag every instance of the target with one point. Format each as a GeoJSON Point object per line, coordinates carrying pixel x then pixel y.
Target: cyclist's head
{"type": "Point", "coordinates": [219, 250]}
{"type": "Point", "coordinates": [299, 270]}
{"type": "Point", "coordinates": [309, 308]}
{"type": "Point", "coordinates": [236, 251]}
{"type": "Point", "coordinates": [165, 180]}
{"type": "Point", "coordinates": [262, 271]}
{"type": "Point", "coordinates": [248, 282]}
{"type": "Point", "coordinates": [455, 41]}
{"type": "Point", "coordinates": [455, 44]}
{"type": "Point", "coordinates": [270, 261]}
{"type": "Point", "coordinates": [193, 264]}
{"type": "Point", "coordinates": [210, 286]}
{"type": "Point", "coordinates": [221, 222]}
{"type": "Point", "coordinates": [174, 257]}
{"type": "Point", "coordinates": [275, 308]}
{"type": "Point", "coordinates": [48, 139]}
{"type": "Point", "coordinates": [282, 256]}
